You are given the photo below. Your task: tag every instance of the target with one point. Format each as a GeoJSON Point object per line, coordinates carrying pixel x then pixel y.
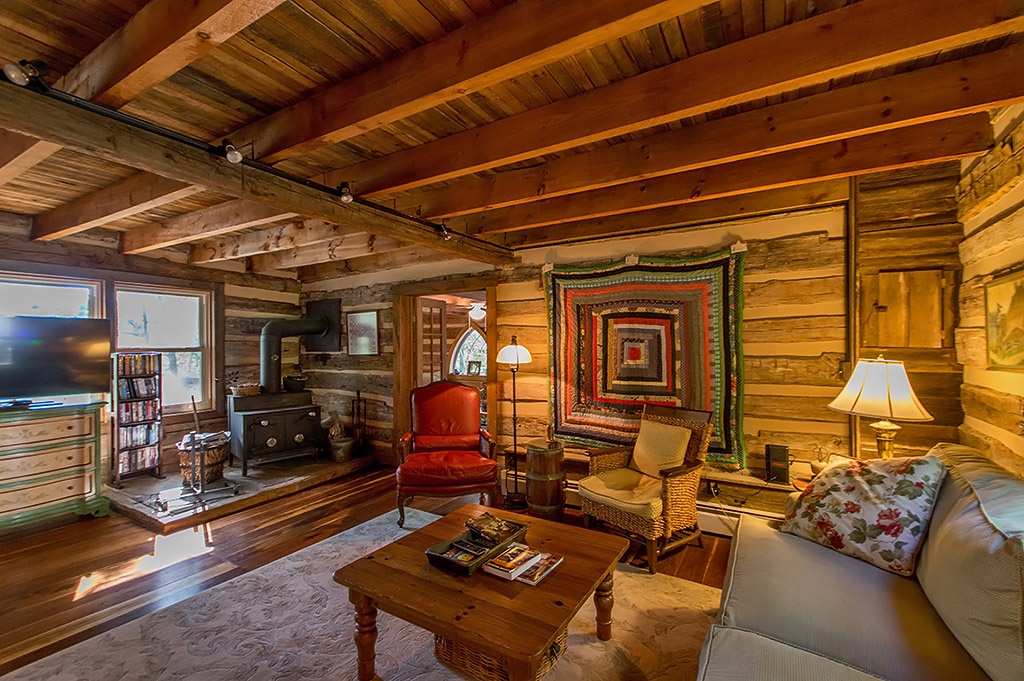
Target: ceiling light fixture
{"type": "Point", "coordinates": [25, 71]}
{"type": "Point", "coordinates": [346, 193]}
{"type": "Point", "coordinates": [231, 152]}
{"type": "Point", "coordinates": [477, 311]}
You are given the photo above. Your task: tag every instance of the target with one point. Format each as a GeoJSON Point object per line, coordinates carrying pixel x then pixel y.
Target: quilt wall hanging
{"type": "Point", "coordinates": [647, 330]}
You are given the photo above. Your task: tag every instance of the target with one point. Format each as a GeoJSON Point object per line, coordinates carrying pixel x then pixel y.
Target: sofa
{"type": "Point", "coordinates": [798, 610]}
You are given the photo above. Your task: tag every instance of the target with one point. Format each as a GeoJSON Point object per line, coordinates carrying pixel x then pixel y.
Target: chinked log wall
{"type": "Point", "coordinates": [250, 300]}
{"type": "Point", "coordinates": [991, 205]}
{"type": "Point", "coordinates": [794, 329]}
{"type": "Point", "coordinates": [908, 270]}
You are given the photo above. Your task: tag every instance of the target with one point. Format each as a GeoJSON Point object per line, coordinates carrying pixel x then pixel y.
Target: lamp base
{"type": "Point", "coordinates": [514, 501]}
{"type": "Point", "coordinates": [885, 436]}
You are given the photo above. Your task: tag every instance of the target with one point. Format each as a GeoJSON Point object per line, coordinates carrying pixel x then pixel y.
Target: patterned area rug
{"type": "Point", "coordinates": [289, 620]}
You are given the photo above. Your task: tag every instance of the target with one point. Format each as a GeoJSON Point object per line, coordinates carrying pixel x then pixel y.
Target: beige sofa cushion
{"type": "Point", "coordinates": [972, 563]}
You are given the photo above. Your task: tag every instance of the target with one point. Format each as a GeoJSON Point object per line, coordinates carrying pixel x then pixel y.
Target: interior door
{"type": "Point", "coordinates": [431, 341]}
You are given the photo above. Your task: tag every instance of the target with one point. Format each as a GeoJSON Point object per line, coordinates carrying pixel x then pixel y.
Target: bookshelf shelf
{"type": "Point", "coordinates": [138, 421]}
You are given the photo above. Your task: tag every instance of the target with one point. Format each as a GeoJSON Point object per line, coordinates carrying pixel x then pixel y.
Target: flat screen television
{"type": "Point", "coordinates": [49, 356]}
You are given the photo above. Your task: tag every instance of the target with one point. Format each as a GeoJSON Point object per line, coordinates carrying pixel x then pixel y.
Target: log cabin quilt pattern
{"type": "Point", "coordinates": [647, 330]}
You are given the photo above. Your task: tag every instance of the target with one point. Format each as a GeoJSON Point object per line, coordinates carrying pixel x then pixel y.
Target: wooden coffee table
{"type": "Point", "coordinates": [511, 622]}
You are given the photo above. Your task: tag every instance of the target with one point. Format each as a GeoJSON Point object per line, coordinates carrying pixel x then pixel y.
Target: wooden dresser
{"type": "Point", "coordinates": [50, 463]}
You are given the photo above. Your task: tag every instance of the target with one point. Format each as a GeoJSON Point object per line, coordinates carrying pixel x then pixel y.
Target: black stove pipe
{"type": "Point", "coordinates": [270, 346]}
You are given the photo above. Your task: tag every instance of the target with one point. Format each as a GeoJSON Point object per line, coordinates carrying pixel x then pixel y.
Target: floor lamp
{"type": "Point", "coordinates": [513, 355]}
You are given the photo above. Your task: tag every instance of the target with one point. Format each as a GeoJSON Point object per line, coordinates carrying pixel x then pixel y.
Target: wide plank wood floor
{"type": "Point", "coordinates": [68, 583]}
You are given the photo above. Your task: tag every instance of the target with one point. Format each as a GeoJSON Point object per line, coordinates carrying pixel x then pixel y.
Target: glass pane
{"type": "Point", "coordinates": [42, 300]}
{"type": "Point", "coordinates": [470, 356]}
{"type": "Point", "coordinates": [183, 378]}
{"type": "Point", "coordinates": [157, 320]}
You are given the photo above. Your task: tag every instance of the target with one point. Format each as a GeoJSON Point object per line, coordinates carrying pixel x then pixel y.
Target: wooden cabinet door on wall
{"type": "Point", "coordinates": [908, 309]}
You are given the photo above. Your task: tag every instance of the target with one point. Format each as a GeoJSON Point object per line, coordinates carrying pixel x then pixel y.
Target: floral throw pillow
{"type": "Point", "coordinates": [876, 510]}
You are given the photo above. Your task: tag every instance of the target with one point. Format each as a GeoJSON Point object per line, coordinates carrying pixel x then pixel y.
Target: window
{"type": "Point", "coordinates": [32, 296]}
{"type": "Point", "coordinates": [177, 323]}
{"type": "Point", "coordinates": [469, 358]}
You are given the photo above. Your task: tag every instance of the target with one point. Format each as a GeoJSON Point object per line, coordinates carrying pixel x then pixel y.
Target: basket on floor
{"type": "Point", "coordinates": [480, 666]}
{"type": "Point", "coordinates": [216, 457]}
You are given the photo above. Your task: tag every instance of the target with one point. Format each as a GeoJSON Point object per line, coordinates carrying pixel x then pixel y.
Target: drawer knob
{"type": "Point", "coordinates": [271, 441]}
{"type": "Point", "coordinates": [311, 414]}
{"type": "Point", "coordinates": [264, 423]}
{"type": "Point", "coordinates": [299, 437]}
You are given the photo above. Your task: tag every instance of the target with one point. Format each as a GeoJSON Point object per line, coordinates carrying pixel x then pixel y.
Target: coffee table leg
{"type": "Point", "coordinates": [366, 634]}
{"type": "Point", "coordinates": [603, 601]}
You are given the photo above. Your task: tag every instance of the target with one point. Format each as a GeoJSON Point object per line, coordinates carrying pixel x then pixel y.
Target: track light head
{"type": "Point", "coordinates": [345, 192]}
{"type": "Point", "coordinates": [231, 152]}
{"type": "Point", "coordinates": [25, 71]}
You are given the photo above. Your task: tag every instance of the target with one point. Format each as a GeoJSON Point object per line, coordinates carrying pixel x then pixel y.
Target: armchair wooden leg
{"type": "Point", "coordinates": [401, 510]}
{"type": "Point", "coordinates": [652, 556]}
{"type": "Point", "coordinates": [588, 521]}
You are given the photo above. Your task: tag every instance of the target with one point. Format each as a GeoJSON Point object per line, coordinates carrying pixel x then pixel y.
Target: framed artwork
{"type": "Point", "coordinates": [473, 367]}
{"type": "Point", "coordinates": [363, 338]}
{"type": "Point", "coordinates": [1004, 322]}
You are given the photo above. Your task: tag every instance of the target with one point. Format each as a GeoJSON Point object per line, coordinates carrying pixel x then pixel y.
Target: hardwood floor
{"type": "Point", "coordinates": [68, 583]}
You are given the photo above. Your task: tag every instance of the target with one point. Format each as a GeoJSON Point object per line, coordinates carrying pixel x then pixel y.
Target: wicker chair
{"type": "Point", "coordinates": [650, 488]}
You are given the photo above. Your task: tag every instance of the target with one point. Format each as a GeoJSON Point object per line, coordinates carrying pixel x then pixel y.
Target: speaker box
{"type": "Point", "coordinates": [776, 463]}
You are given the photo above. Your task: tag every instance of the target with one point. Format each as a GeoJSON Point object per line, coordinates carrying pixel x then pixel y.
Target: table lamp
{"type": "Point", "coordinates": [513, 355]}
{"type": "Point", "coordinates": [879, 388]}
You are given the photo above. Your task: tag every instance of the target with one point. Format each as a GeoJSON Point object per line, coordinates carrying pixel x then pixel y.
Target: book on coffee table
{"type": "Point", "coordinates": [513, 561]}
{"type": "Point", "coordinates": [539, 570]}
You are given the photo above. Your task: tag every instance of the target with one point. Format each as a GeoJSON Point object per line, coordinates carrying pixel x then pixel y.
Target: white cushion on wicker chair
{"type": "Point", "coordinates": [659, 446]}
{"type": "Point", "coordinates": [626, 489]}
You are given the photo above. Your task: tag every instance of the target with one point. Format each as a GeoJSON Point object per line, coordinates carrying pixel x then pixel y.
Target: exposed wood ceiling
{"type": "Point", "coordinates": [514, 124]}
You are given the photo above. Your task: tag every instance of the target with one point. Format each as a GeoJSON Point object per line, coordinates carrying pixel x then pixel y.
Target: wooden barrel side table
{"type": "Point", "coordinates": [545, 479]}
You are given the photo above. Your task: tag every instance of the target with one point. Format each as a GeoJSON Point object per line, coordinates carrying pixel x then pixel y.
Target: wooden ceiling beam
{"type": "Point", "coordinates": [31, 113]}
{"type": "Point", "coordinates": [788, 199]}
{"type": "Point", "coordinates": [943, 140]}
{"type": "Point", "coordinates": [158, 41]}
{"type": "Point", "coordinates": [847, 41]}
{"type": "Point", "coordinates": [222, 218]}
{"type": "Point", "coordinates": [953, 89]}
{"type": "Point", "coordinates": [516, 39]}
{"type": "Point", "coordinates": [368, 264]}
{"type": "Point", "coordinates": [282, 237]}
{"type": "Point", "coordinates": [128, 197]}
{"type": "Point", "coordinates": [334, 250]}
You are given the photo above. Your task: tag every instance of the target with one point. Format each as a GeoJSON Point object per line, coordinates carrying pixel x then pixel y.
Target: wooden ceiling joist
{"type": "Point", "coordinates": [158, 41]}
{"type": "Point", "coordinates": [948, 90]}
{"type": "Point", "coordinates": [282, 237]}
{"type": "Point", "coordinates": [916, 145]}
{"type": "Point", "coordinates": [367, 264]}
{"type": "Point", "coordinates": [343, 248]}
{"type": "Point", "coordinates": [850, 40]}
{"type": "Point", "coordinates": [516, 39]}
{"type": "Point", "coordinates": [222, 218]}
{"type": "Point", "coordinates": [46, 118]}
{"type": "Point", "coordinates": [810, 195]}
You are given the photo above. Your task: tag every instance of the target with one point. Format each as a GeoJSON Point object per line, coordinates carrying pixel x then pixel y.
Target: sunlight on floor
{"type": "Point", "coordinates": [166, 551]}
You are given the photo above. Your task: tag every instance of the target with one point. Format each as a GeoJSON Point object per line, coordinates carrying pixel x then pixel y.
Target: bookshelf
{"type": "Point", "coordinates": [138, 427]}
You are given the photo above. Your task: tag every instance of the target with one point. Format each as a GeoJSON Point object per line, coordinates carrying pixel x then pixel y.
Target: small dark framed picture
{"type": "Point", "coordinates": [363, 338]}
{"type": "Point", "coordinates": [473, 367]}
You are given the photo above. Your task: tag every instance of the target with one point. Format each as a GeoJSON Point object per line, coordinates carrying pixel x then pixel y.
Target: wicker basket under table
{"type": "Point", "coordinates": [485, 668]}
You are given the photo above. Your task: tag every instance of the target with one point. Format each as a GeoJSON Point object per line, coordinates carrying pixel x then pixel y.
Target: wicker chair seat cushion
{"type": "Point", "coordinates": [625, 489]}
{"type": "Point", "coordinates": [659, 446]}
{"type": "Point", "coordinates": [445, 468]}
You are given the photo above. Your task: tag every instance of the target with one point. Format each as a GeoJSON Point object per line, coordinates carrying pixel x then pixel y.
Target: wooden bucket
{"type": "Point", "coordinates": [545, 479]}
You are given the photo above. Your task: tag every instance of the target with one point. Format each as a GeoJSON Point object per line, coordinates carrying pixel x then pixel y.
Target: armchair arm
{"type": "Point", "coordinates": [681, 470]}
{"type": "Point", "coordinates": [404, 446]}
{"type": "Point", "coordinates": [487, 444]}
{"type": "Point", "coordinates": [609, 458]}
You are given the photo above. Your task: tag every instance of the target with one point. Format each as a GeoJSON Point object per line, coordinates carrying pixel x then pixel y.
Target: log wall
{"type": "Point", "coordinates": [992, 208]}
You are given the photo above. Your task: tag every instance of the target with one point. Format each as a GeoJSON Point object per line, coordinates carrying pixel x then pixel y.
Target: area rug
{"type": "Point", "coordinates": [289, 621]}
{"type": "Point", "coordinates": [647, 330]}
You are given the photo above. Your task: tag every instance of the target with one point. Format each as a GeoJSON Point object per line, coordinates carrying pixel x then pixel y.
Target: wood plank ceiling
{"type": "Point", "coordinates": [513, 124]}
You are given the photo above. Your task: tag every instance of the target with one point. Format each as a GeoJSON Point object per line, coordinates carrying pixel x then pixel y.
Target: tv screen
{"type": "Point", "coordinates": [47, 356]}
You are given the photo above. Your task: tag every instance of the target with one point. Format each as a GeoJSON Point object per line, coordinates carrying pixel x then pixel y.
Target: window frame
{"type": "Point", "coordinates": [97, 297]}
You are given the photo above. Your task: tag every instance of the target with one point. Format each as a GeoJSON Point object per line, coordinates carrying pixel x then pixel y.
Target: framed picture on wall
{"type": "Point", "coordinates": [473, 367]}
{"type": "Point", "coordinates": [1004, 322]}
{"type": "Point", "coordinates": [363, 338]}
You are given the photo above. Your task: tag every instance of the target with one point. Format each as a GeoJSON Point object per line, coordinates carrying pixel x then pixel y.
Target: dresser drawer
{"type": "Point", "coordinates": [42, 432]}
{"type": "Point", "coordinates": [33, 495]}
{"type": "Point", "coordinates": [21, 465]}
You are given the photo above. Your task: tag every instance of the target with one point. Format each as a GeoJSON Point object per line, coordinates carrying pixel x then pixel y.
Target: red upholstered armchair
{"type": "Point", "coordinates": [447, 454]}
